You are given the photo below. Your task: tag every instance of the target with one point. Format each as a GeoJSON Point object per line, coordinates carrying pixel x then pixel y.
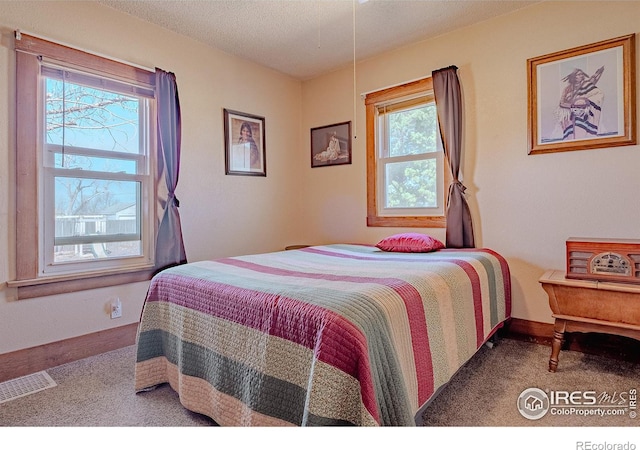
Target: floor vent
{"type": "Point", "coordinates": [29, 384]}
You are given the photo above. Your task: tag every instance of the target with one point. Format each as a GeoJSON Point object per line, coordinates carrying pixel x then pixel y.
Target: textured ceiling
{"type": "Point", "coordinates": [307, 38]}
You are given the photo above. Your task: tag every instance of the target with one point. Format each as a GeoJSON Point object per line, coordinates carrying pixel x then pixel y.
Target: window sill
{"type": "Point", "coordinates": [63, 284]}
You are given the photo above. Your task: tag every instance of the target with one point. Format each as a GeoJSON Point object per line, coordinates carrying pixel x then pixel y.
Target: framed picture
{"type": "Point", "coordinates": [331, 145]}
{"type": "Point", "coordinates": [583, 98]}
{"type": "Point", "coordinates": [244, 144]}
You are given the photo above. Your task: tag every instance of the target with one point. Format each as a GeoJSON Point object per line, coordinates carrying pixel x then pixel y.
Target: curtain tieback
{"type": "Point", "coordinates": [172, 198]}
{"type": "Point", "coordinates": [457, 184]}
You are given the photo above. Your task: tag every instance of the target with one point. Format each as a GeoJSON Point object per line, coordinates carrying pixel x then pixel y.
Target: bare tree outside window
{"type": "Point", "coordinates": [93, 149]}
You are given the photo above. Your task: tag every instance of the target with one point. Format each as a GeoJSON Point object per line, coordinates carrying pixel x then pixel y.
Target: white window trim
{"type": "Point", "coordinates": [382, 161]}
{"type": "Point", "coordinates": [47, 265]}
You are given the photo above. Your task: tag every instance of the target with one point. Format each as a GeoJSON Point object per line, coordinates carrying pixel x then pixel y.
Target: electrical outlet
{"type": "Point", "coordinates": [116, 308]}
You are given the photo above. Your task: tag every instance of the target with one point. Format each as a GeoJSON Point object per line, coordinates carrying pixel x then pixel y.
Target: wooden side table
{"type": "Point", "coordinates": [590, 306]}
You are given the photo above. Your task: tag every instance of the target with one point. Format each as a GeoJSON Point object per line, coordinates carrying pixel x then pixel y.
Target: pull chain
{"type": "Point", "coordinates": [355, 120]}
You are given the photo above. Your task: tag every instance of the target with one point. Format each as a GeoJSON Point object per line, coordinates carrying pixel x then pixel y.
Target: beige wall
{"type": "Point", "coordinates": [221, 215]}
{"type": "Point", "coordinates": [524, 206]}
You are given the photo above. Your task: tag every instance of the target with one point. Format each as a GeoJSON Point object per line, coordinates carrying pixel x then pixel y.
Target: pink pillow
{"type": "Point", "coordinates": [410, 243]}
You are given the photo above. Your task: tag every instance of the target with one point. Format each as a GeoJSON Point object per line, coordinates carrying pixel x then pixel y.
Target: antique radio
{"type": "Point", "coordinates": [615, 260]}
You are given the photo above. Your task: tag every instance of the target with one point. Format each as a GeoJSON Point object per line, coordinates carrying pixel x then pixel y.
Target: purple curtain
{"type": "Point", "coordinates": [446, 89]}
{"type": "Point", "coordinates": [169, 244]}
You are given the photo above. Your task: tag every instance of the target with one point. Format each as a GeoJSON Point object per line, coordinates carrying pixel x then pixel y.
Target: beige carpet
{"type": "Point", "coordinates": [98, 391]}
{"type": "Point", "coordinates": [485, 391]}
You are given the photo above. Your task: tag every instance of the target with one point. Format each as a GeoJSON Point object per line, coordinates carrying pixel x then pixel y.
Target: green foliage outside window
{"type": "Point", "coordinates": [412, 184]}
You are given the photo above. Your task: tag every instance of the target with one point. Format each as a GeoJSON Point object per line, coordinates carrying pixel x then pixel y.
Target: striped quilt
{"type": "Point", "coordinates": [326, 335]}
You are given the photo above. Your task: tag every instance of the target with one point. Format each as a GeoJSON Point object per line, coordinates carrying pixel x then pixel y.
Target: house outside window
{"type": "Point", "coordinates": [95, 176]}
{"type": "Point", "coordinates": [86, 131]}
{"type": "Point", "coordinates": [406, 171]}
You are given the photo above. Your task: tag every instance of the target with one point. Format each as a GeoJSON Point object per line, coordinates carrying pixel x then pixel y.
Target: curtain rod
{"type": "Point", "coordinates": [446, 68]}
{"type": "Point", "coordinates": [18, 36]}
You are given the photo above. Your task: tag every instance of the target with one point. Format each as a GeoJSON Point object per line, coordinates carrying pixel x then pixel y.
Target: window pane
{"type": "Point", "coordinates": [413, 131]}
{"type": "Point", "coordinates": [81, 116]}
{"type": "Point", "coordinates": [96, 219]}
{"type": "Point", "coordinates": [104, 250]}
{"type": "Point", "coordinates": [411, 184]}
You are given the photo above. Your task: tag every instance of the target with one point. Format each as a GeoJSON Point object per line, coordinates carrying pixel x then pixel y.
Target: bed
{"type": "Point", "coordinates": [339, 334]}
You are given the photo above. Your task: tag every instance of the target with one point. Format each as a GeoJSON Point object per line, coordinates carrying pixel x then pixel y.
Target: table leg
{"type": "Point", "coordinates": [556, 344]}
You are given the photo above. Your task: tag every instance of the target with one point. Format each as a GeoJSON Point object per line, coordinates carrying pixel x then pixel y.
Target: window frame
{"type": "Point", "coordinates": [29, 279]}
{"type": "Point", "coordinates": [421, 87]}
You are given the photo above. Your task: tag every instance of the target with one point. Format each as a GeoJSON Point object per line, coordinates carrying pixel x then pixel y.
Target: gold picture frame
{"type": "Point", "coordinates": [583, 98]}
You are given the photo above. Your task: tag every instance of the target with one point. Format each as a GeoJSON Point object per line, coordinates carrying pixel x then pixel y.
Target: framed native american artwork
{"type": "Point", "coordinates": [244, 144]}
{"type": "Point", "coordinates": [583, 98]}
{"type": "Point", "coordinates": [331, 145]}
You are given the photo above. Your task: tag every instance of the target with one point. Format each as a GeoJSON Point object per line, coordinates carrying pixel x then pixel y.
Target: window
{"type": "Point", "coordinates": [95, 175]}
{"type": "Point", "coordinates": [406, 171]}
{"type": "Point", "coordinates": [85, 163]}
